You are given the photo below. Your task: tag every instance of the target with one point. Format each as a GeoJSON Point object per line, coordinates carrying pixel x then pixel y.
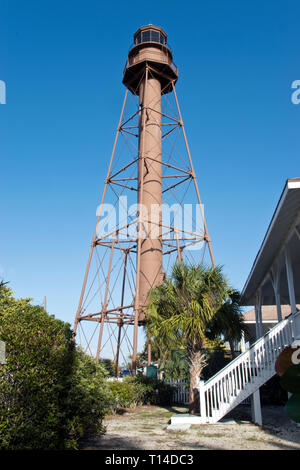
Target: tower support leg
{"type": "Point", "coordinates": [78, 313]}
{"type": "Point", "coordinates": [120, 322]}
{"type": "Point", "coordinates": [118, 348]}
{"type": "Point", "coordinates": [103, 314]}
{"type": "Point", "coordinates": [207, 239]}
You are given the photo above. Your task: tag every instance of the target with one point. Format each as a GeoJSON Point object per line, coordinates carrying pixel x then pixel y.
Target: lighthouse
{"type": "Point", "coordinates": [122, 270]}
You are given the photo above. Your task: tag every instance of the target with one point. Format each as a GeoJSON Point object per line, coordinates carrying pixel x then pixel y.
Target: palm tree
{"type": "Point", "coordinates": [229, 321]}
{"type": "Point", "coordinates": [176, 368]}
{"type": "Point", "coordinates": [181, 310]}
{"type": "Point", "coordinates": [161, 340]}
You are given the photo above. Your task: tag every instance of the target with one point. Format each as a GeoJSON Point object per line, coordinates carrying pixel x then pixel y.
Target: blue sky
{"type": "Point", "coordinates": [62, 63]}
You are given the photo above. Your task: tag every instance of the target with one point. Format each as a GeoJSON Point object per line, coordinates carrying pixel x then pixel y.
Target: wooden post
{"type": "Point", "coordinates": [256, 408]}
{"type": "Point", "coordinates": [258, 315]}
{"type": "Point", "coordinates": [290, 280]}
{"type": "Point", "coordinates": [275, 279]}
{"type": "Point", "coordinates": [202, 401]}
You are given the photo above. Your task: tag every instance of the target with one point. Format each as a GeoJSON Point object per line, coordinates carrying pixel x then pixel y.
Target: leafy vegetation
{"type": "Point", "coordinates": [50, 393]}
{"type": "Point", "coordinates": [186, 312]}
{"type": "Point", "coordinates": [139, 390]}
{"type": "Point", "coordinates": [229, 321]}
{"type": "Point", "coordinates": [176, 366]}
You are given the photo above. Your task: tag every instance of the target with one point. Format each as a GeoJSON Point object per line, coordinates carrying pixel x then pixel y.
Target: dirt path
{"type": "Point", "coordinates": [145, 428]}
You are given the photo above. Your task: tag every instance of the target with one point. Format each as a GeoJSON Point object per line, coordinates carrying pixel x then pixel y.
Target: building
{"type": "Point", "coordinates": [273, 288]}
{"type": "Point", "coordinates": [274, 279]}
{"type": "Point", "coordinates": [269, 319]}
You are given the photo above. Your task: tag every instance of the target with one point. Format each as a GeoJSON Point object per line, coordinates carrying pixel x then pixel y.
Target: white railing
{"type": "Point", "coordinates": [244, 375]}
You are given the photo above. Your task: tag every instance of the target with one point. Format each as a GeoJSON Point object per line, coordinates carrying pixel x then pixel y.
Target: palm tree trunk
{"type": "Point", "coordinates": [232, 348]}
{"type": "Point", "coordinates": [193, 394]}
{"type": "Point", "coordinates": [196, 360]}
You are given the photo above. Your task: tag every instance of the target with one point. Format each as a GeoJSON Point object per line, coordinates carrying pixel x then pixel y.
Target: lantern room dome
{"type": "Point", "coordinates": [150, 33]}
{"type": "Point", "coordinates": [150, 49]}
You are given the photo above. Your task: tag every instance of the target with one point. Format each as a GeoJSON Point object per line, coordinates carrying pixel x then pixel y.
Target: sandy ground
{"type": "Point", "coordinates": [145, 428]}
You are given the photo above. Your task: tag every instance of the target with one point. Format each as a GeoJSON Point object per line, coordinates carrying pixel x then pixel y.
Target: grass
{"type": "Point", "coordinates": [156, 414]}
{"type": "Point", "coordinates": [207, 434]}
{"type": "Point", "coordinates": [147, 426]}
{"type": "Point", "coordinates": [176, 433]}
{"type": "Point", "coordinates": [118, 428]}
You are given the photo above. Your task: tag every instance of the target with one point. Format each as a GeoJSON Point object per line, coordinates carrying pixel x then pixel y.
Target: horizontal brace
{"type": "Point", "coordinates": [123, 179]}
{"type": "Point", "coordinates": [109, 245]}
{"type": "Point", "coordinates": [102, 240]}
{"type": "Point", "coordinates": [172, 176]}
{"type": "Point", "coordinates": [115, 311]}
{"type": "Point", "coordinates": [122, 185]}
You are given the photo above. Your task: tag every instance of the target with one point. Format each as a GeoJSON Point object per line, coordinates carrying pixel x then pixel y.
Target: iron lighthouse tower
{"type": "Point", "coordinates": [150, 168]}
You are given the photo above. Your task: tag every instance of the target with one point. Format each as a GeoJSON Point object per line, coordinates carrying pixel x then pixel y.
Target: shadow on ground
{"type": "Point", "coordinates": [275, 422]}
{"type": "Point", "coordinates": [145, 428]}
{"type": "Point", "coordinates": [108, 442]}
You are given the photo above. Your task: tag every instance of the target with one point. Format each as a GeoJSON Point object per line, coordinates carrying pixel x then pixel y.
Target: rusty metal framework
{"type": "Point", "coordinates": [111, 307]}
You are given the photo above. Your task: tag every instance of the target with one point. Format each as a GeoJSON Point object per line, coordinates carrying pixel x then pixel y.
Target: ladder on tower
{"type": "Point", "coordinates": [244, 375]}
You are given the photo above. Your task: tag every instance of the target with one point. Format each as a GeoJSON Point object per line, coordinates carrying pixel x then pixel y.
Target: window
{"type": "Point", "coordinates": [150, 36]}
{"type": "Point", "coordinates": [155, 36]}
{"type": "Point", "coordinates": [146, 36]}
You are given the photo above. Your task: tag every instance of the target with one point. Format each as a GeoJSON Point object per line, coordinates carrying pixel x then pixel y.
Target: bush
{"type": "Point", "coordinates": [125, 395]}
{"type": "Point", "coordinates": [50, 394]}
{"type": "Point", "coordinates": [88, 399]}
{"type": "Point", "coordinates": [139, 390]}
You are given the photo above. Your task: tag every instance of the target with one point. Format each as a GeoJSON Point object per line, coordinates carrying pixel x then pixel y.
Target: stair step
{"type": "Point", "coordinates": [246, 371]}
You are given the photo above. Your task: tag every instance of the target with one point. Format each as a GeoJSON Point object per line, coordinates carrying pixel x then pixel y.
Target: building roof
{"type": "Point", "coordinates": [286, 214]}
{"type": "Point", "coordinates": [269, 313]}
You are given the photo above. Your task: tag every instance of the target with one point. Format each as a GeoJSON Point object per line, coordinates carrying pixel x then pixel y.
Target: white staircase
{"type": "Point", "coordinates": [244, 375]}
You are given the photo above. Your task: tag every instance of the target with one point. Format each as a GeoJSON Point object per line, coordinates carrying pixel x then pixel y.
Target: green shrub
{"type": "Point", "coordinates": [88, 399]}
{"type": "Point", "coordinates": [139, 390]}
{"type": "Point", "coordinates": [124, 394]}
{"type": "Point", "coordinates": [50, 394]}
{"type": "Point", "coordinates": [146, 388]}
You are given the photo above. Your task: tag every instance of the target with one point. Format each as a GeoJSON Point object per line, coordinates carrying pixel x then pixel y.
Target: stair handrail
{"type": "Point", "coordinates": [248, 351]}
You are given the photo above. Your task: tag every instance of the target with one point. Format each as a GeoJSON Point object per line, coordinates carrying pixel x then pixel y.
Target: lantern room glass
{"type": "Point", "coordinates": [150, 35]}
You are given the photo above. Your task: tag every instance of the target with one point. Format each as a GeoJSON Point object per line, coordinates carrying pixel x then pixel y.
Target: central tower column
{"type": "Point", "coordinates": [149, 73]}
{"type": "Point", "coordinates": [149, 189]}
